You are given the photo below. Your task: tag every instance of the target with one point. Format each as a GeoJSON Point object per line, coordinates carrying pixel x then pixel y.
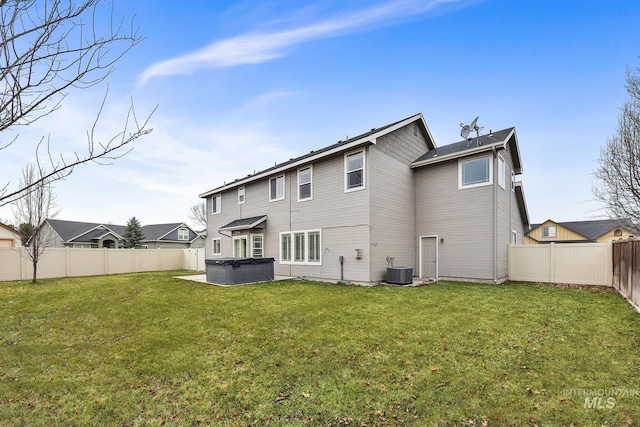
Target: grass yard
{"type": "Point", "coordinates": [148, 349]}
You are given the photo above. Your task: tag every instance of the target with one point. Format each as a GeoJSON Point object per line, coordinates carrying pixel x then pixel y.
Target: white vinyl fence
{"type": "Point", "coordinates": [68, 262]}
{"type": "Point", "coordinates": [570, 263]}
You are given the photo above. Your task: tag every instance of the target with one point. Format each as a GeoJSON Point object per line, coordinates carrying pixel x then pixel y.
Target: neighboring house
{"type": "Point", "coordinates": [602, 230]}
{"type": "Point", "coordinates": [74, 234]}
{"type": "Point", "coordinates": [384, 196]}
{"type": "Point", "coordinates": [9, 238]}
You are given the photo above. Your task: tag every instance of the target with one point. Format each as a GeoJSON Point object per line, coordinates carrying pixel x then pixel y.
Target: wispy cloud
{"type": "Point", "coordinates": [257, 47]}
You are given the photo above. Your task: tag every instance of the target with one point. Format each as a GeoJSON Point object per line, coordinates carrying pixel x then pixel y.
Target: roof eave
{"type": "Point", "coordinates": [245, 226]}
{"type": "Point", "coordinates": [457, 155]}
{"type": "Point", "coordinates": [369, 139]}
{"type": "Point", "coordinates": [522, 203]}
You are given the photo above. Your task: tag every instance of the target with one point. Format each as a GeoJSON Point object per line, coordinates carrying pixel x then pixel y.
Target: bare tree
{"type": "Point", "coordinates": [47, 48]}
{"type": "Point", "coordinates": [617, 182]}
{"type": "Point", "coordinates": [198, 214]}
{"type": "Point", "coordinates": [32, 210]}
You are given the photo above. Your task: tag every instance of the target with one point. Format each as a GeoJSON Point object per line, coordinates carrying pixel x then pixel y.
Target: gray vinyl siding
{"type": "Point", "coordinates": [53, 240]}
{"type": "Point", "coordinates": [341, 217]}
{"type": "Point", "coordinates": [509, 217]}
{"type": "Point", "coordinates": [463, 218]}
{"type": "Point", "coordinates": [393, 225]}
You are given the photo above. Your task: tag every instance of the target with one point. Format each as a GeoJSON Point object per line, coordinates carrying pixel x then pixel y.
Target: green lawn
{"type": "Point", "coordinates": [148, 349]}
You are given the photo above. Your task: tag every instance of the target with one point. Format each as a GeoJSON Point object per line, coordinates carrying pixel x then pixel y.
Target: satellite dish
{"type": "Point", "coordinates": [467, 129]}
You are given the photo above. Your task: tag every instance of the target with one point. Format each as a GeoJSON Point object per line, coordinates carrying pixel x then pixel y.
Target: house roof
{"type": "Point", "coordinates": [493, 140]}
{"type": "Point", "coordinates": [70, 230]}
{"type": "Point", "coordinates": [245, 223]}
{"type": "Point", "coordinates": [76, 231]}
{"type": "Point", "coordinates": [591, 230]}
{"type": "Point", "coordinates": [340, 146]}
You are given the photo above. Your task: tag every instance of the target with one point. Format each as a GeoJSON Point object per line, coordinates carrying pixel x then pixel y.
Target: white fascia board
{"type": "Point", "coordinates": [246, 226]}
{"type": "Point", "coordinates": [457, 155]}
{"type": "Point", "coordinates": [183, 225]}
{"type": "Point", "coordinates": [54, 230]}
{"type": "Point", "coordinates": [353, 144]}
{"type": "Point", "coordinates": [370, 139]}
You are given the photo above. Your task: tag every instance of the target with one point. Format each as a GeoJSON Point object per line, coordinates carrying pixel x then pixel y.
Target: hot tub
{"type": "Point", "coordinates": [236, 271]}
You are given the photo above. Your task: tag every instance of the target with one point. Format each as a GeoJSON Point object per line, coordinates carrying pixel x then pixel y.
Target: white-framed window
{"type": "Point", "coordinates": [354, 170]}
{"type": "Point", "coordinates": [475, 172]}
{"type": "Point", "coordinates": [257, 245]}
{"type": "Point", "coordinates": [313, 250]}
{"type": "Point", "coordinates": [241, 197]}
{"type": "Point", "coordinates": [514, 237]}
{"type": "Point", "coordinates": [305, 178]}
{"type": "Point", "coordinates": [549, 231]}
{"type": "Point", "coordinates": [501, 172]}
{"type": "Point", "coordinates": [216, 204]}
{"type": "Point", "coordinates": [183, 234]}
{"type": "Point", "coordinates": [240, 247]}
{"type": "Point", "coordinates": [301, 247]}
{"type": "Point", "coordinates": [216, 246]}
{"type": "Point", "coordinates": [276, 188]}
{"type": "Point", "coordinates": [285, 248]}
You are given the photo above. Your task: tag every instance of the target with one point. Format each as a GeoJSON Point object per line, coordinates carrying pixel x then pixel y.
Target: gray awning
{"type": "Point", "coordinates": [244, 223]}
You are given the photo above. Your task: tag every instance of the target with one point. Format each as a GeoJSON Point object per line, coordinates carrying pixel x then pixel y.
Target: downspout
{"type": "Point", "coordinates": [495, 216]}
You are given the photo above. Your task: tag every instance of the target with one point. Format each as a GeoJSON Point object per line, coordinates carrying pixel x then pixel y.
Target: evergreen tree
{"type": "Point", "coordinates": [133, 234]}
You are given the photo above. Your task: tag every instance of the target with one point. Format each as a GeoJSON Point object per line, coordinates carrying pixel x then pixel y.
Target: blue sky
{"type": "Point", "coordinates": [241, 85]}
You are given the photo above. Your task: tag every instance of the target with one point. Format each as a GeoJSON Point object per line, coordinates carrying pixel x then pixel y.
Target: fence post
{"type": "Point", "coordinates": [67, 261]}
{"type": "Point", "coordinates": [552, 262]}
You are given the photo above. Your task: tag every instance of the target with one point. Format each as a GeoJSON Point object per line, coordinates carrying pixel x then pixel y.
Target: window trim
{"type": "Point", "coordinates": [292, 247]}
{"type": "Point", "coordinates": [310, 183]}
{"type": "Point", "coordinates": [547, 228]}
{"type": "Point", "coordinates": [213, 246]}
{"type": "Point", "coordinates": [501, 172]}
{"type": "Point", "coordinates": [261, 236]}
{"type": "Point", "coordinates": [246, 245]}
{"type": "Point", "coordinates": [217, 205]}
{"type": "Point", "coordinates": [514, 237]}
{"type": "Point", "coordinates": [242, 195]}
{"type": "Point", "coordinates": [461, 162]}
{"type": "Point", "coordinates": [284, 187]}
{"type": "Point", "coordinates": [346, 171]}
{"type": "Point", "coordinates": [281, 246]}
{"type": "Point", "coordinates": [183, 229]}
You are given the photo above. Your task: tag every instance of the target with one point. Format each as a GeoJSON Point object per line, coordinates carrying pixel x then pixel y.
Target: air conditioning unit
{"type": "Point", "coordinates": [400, 275]}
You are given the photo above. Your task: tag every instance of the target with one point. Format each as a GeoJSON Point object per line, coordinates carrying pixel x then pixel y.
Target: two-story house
{"type": "Point", "coordinates": [348, 210]}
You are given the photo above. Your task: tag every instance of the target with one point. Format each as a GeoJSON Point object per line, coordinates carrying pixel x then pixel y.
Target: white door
{"type": "Point", "coordinates": [429, 257]}
{"type": "Point", "coordinates": [240, 247]}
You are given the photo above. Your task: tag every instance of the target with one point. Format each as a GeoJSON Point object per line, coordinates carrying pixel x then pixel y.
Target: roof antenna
{"type": "Point", "coordinates": [467, 129]}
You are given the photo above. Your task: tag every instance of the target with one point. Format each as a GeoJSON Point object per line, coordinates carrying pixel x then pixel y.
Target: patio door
{"type": "Point", "coordinates": [429, 257]}
{"type": "Point", "coordinates": [240, 247]}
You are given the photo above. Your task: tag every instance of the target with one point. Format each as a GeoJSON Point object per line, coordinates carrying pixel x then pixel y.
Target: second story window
{"type": "Point", "coordinates": [354, 171]}
{"type": "Point", "coordinates": [241, 196]}
{"type": "Point", "coordinates": [216, 206]}
{"type": "Point", "coordinates": [304, 184]}
{"type": "Point", "coordinates": [276, 188]}
{"type": "Point", "coordinates": [549, 231]}
{"type": "Point", "coordinates": [183, 234]}
{"type": "Point", "coordinates": [475, 172]}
